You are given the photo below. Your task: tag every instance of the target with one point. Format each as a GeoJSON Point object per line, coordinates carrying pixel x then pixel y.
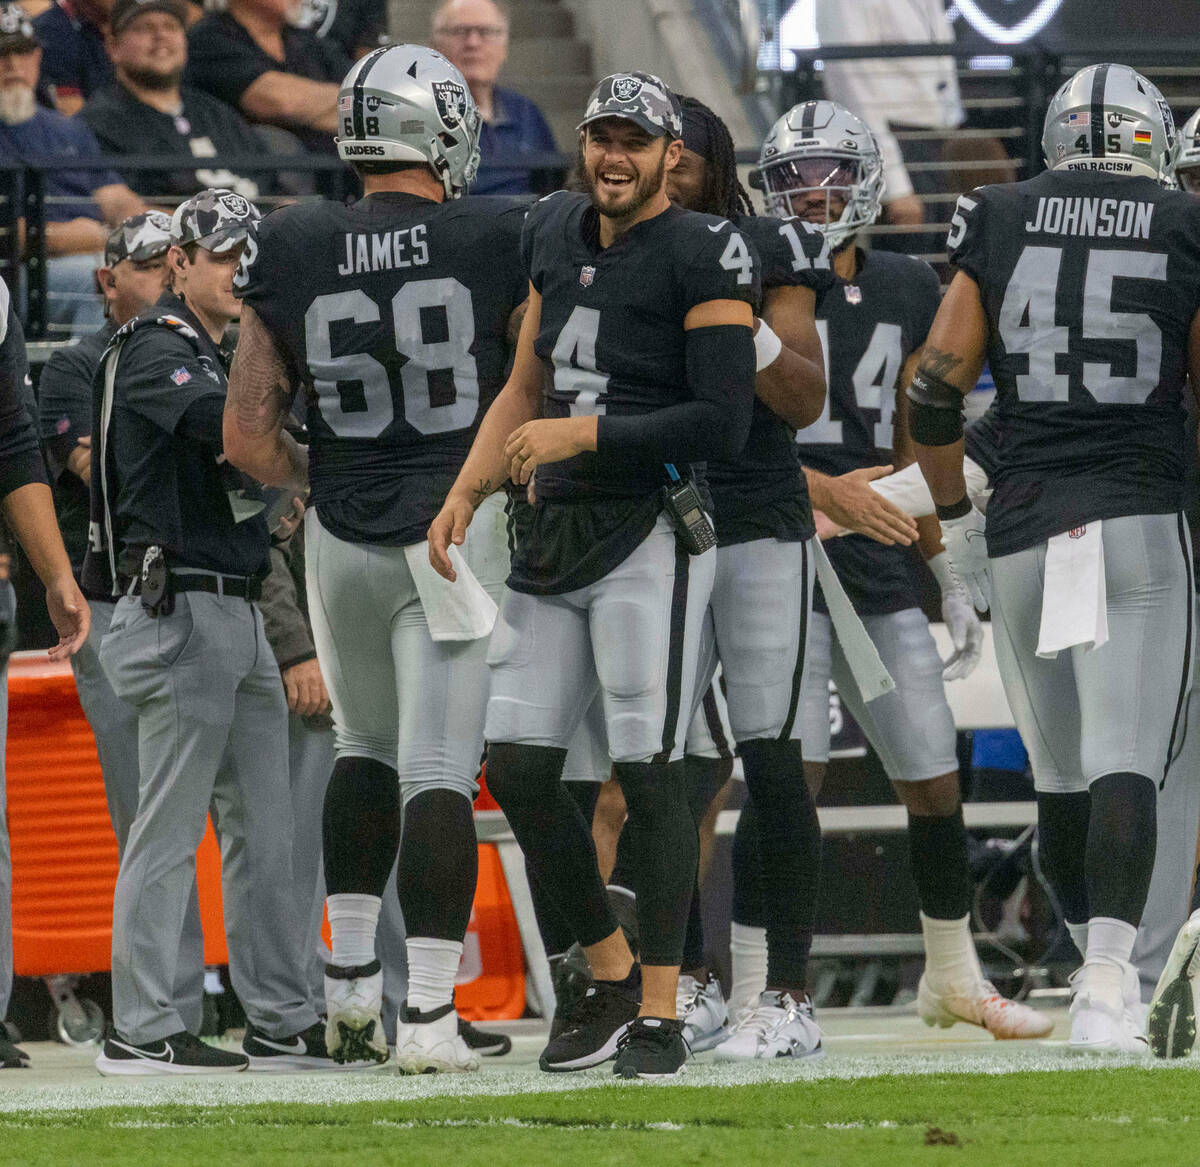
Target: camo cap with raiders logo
{"type": "Point", "coordinates": [140, 237]}
{"type": "Point", "coordinates": [216, 219]}
{"type": "Point", "coordinates": [640, 98]}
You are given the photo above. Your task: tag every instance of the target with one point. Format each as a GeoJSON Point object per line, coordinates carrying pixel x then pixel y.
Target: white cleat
{"type": "Point", "coordinates": [702, 1010]}
{"type": "Point", "coordinates": [354, 1003]}
{"type": "Point", "coordinates": [1102, 1019]}
{"type": "Point", "coordinates": [979, 1003]}
{"type": "Point", "coordinates": [429, 1043]}
{"type": "Point", "coordinates": [1172, 1019]}
{"type": "Point", "coordinates": [779, 1026]}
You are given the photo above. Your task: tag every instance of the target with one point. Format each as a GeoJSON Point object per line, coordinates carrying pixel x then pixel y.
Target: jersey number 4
{"type": "Point", "coordinates": [439, 380]}
{"type": "Point", "coordinates": [1031, 307]}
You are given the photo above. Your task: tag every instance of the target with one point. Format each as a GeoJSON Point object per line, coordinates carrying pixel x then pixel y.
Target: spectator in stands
{"type": "Point", "coordinates": [250, 57]}
{"type": "Point", "coordinates": [79, 201]}
{"type": "Point", "coordinates": [76, 63]}
{"type": "Point", "coordinates": [474, 35]}
{"type": "Point", "coordinates": [355, 26]}
{"type": "Point", "coordinates": [147, 111]}
{"type": "Point", "coordinates": [896, 93]}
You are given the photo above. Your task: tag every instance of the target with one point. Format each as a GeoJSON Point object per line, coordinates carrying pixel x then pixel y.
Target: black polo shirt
{"type": "Point", "coordinates": [168, 482]}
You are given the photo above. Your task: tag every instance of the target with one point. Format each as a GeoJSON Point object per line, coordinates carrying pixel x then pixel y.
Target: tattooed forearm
{"type": "Point", "coordinates": [939, 363]}
{"type": "Point", "coordinates": [481, 490]}
{"type": "Point", "coordinates": [260, 390]}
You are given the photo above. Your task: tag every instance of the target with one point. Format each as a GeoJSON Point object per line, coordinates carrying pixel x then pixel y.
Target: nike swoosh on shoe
{"type": "Point", "coordinates": [297, 1046]}
{"type": "Point", "coordinates": [138, 1051]}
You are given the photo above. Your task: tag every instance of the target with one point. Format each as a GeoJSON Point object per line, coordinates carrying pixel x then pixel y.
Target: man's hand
{"type": "Point", "coordinates": [850, 502]}
{"type": "Point", "coordinates": [70, 613]}
{"type": "Point", "coordinates": [289, 521]}
{"type": "Point", "coordinates": [967, 547]}
{"type": "Point", "coordinates": [545, 440]}
{"type": "Point", "coordinates": [966, 631]}
{"type": "Point", "coordinates": [449, 526]}
{"type": "Point", "coordinates": [305, 688]}
{"type": "Point", "coordinates": [79, 461]}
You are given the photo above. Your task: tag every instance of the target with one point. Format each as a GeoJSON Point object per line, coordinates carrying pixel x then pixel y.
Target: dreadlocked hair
{"type": "Point", "coordinates": [724, 195]}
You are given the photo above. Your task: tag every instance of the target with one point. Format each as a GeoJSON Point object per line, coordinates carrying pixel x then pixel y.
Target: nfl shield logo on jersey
{"type": "Point", "coordinates": [586, 275]}
{"type": "Point", "coordinates": [181, 376]}
{"type": "Point", "coordinates": [853, 294]}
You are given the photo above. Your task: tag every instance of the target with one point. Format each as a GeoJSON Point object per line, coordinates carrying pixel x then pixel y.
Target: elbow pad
{"type": "Point", "coordinates": [721, 367]}
{"type": "Point", "coordinates": [935, 416]}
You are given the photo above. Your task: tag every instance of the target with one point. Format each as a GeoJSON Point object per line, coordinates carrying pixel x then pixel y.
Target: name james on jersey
{"type": "Point", "coordinates": [386, 251]}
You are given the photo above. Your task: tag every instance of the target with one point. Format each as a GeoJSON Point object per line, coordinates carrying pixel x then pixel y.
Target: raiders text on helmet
{"type": "Point", "coordinates": [821, 146]}
{"type": "Point", "coordinates": [407, 103]}
{"type": "Point", "coordinates": [1109, 118]}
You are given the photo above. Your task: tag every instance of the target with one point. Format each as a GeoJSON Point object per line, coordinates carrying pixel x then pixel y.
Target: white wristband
{"type": "Point", "coordinates": [767, 346]}
{"type": "Point", "coordinates": [942, 571]}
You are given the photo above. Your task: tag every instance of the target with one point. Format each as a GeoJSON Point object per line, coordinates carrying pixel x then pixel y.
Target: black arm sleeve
{"type": "Point", "coordinates": [713, 427]}
{"type": "Point", "coordinates": [20, 455]}
{"type": "Point", "coordinates": [202, 421]}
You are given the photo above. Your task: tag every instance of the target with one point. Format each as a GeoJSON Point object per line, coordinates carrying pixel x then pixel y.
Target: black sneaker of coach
{"type": "Point", "coordinates": [181, 1053]}
{"type": "Point", "coordinates": [485, 1043]}
{"type": "Point", "coordinates": [652, 1047]}
{"type": "Point", "coordinates": [592, 1030]}
{"type": "Point", "coordinates": [12, 1057]}
{"type": "Point", "coordinates": [571, 976]}
{"type": "Point", "coordinates": [301, 1051]}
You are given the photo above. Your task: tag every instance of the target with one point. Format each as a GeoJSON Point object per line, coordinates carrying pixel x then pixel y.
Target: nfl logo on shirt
{"type": "Point", "coordinates": [853, 294]}
{"type": "Point", "coordinates": [181, 376]}
{"type": "Point", "coordinates": [586, 275]}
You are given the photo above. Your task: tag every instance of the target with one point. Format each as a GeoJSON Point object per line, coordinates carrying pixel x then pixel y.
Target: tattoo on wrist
{"type": "Point", "coordinates": [481, 491]}
{"type": "Point", "coordinates": [940, 364]}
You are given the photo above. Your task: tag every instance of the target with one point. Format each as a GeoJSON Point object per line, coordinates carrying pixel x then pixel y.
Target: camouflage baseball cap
{"type": "Point", "coordinates": [140, 237]}
{"type": "Point", "coordinates": [640, 98]}
{"type": "Point", "coordinates": [217, 219]}
{"type": "Point", "coordinates": [16, 30]}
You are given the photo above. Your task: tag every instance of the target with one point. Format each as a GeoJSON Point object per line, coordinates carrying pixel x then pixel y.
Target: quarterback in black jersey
{"type": "Point", "coordinates": [1081, 287]}
{"type": "Point", "coordinates": [821, 162]}
{"type": "Point", "coordinates": [394, 316]}
{"type": "Point", "coordinates": [637, 352]}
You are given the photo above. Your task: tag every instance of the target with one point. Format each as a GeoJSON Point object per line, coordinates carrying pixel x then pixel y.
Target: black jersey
{"type": "Point", "coordinates": [393, 316]}
{"type": "Point", "coordinates": [763, 494]}
{"type": "Point", "coordinates": [869, 327]}
{"type": "Point", "coordinates": [612, 340]}
{"type": "Point", "coordinates": [1090, 283]}
{"type": "Point", "coordinates": [981, 441]}
{"type": "Point", "coordinates": [21, 460]}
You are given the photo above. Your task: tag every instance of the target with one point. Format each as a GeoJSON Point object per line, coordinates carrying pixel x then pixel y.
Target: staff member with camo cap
{"type": "Point", "coordinates": [186, 544]}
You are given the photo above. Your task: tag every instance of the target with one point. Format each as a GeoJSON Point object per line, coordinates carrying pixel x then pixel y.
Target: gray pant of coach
{"type": "Point", "coordinates": [115, 728]}
{"type": "Point", "coordinates": [212, 727]}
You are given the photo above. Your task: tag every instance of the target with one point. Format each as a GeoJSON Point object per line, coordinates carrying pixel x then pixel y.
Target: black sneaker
{"type": "Point", "coordinates": [592, 1030]}
{"type": "Point", "coordinates": [181, 1053]}
{"type": "Point", "coordinates": [485, 1043]}
{"type": "Point", "coordinates": [12, 1057]}
{"type": "Point", "coordinates": [571, 976]}
{"type": "Point", "coordinates": [652, 1047]}
{"type": "Point", "coordinates": [301, 1051]}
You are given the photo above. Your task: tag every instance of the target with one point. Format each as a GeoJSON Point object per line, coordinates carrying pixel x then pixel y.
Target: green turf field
{"type": "Point", "coordinates": [1109, 1117]}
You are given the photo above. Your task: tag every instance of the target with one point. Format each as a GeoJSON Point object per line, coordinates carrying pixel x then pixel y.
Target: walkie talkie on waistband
{"type": "Point", "coordinates": [681, 500]}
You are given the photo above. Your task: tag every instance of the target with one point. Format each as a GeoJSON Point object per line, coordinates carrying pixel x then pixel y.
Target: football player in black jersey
{"type": "Point", "coordinates": [1081, 288]}
{"type": "Point", "coordinates": [761, 603]}
{"type": "Point", "coordinates": [821, 162]}
{"type": "Point", "coordinates": [641, 313]}
{"type": "Point", "coordinates": [395, 316]}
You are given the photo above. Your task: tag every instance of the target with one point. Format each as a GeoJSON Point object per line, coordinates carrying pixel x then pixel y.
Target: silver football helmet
{"type": "Point", "coordinates": [1187, 165]}
{"type": "Point", "coordinates": [407, 103]}
{"type": "Point", "coordinates": [1109, 118]}
{"type": "Point", "coordinates": [821, 146]}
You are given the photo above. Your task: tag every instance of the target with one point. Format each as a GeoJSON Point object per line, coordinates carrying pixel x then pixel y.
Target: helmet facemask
{"type": "Point", "coordinates": [787, 179]}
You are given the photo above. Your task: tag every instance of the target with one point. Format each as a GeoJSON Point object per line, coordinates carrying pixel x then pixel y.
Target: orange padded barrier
{"type": "Point", "coordinates": [65, 856]}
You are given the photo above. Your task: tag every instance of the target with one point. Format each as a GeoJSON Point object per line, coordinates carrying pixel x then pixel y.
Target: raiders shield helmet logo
{"type": "Point", "coordinates": [235, 205]}
{"type": "Point", "coordinates": [626, 88]}
{"type": "Point", "coordinates": [1009, 22]}
{"type": "Point", "coordinates": [451, 101]}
